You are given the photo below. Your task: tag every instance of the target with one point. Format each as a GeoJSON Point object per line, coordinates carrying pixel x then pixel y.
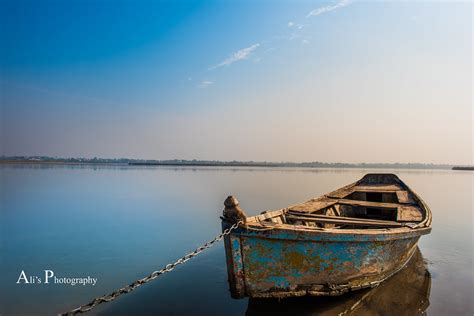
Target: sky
{"type": "Point", "coordinates": [332, 81]}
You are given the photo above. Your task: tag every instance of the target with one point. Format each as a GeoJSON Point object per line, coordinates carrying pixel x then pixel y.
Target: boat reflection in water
{"type": "Point", "coordinates": [405, 293]}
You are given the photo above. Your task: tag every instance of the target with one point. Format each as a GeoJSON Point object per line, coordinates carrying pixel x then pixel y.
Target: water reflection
{"type": "Point", "coordinates": [406, 293]}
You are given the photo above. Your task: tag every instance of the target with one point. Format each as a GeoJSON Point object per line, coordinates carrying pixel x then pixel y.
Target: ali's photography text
{"type": "Point", "coordinates": [48, 277]}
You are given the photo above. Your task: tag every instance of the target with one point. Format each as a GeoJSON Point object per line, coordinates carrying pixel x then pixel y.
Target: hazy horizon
{"type": "Point", "coordinates": [231, 161]}
{"type": "Point", "coordinates": [330, 81]}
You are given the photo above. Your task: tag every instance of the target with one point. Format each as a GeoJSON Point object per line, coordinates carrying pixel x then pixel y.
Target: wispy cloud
{"type": "Point", "coordinates": [329, 8]}
{"type": "Point", "coordinates": [294, 25]}
{"type": "Point", "coordinates": [205, 84]}
{"type": "Point", "coordinates": [241, 54]}
{"type": "Point", "coordinates": [296, 33]}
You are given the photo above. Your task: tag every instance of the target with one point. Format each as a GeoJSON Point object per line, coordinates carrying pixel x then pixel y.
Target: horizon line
{"type": "Point", "coordinates": [33, 158]}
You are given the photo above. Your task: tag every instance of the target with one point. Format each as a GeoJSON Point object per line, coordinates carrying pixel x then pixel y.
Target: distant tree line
{"type": "Point", "coordinates": [234, 163]}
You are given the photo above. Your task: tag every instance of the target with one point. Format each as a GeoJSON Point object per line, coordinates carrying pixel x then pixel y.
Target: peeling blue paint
{"type": "Point", "coordinates": [291, 262]}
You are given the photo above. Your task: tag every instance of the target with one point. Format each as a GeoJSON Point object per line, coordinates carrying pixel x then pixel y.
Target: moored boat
{"type": "Point", "coordinates": [352, 238]}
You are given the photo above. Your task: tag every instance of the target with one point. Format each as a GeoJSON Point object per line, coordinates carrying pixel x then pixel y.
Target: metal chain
{"type": "Point", "coordinates": [169, 267]}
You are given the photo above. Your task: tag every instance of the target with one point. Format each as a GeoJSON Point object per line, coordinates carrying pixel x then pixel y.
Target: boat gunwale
{"type": "Point", "coordinates": [299, 232]}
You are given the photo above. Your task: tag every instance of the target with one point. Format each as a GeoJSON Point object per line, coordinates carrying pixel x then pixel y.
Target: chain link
{"type": "Point", "coordinates": [169, 267]}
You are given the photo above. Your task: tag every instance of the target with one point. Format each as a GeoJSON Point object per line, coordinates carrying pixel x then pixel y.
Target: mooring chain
{"type": "Point", "coordinates": [169, 267]}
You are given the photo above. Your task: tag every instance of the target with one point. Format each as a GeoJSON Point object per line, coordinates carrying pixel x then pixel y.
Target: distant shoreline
{"type": "Point", "coordinates": [33, 162]}
{"type": "Point", "coordinates": [463, 168]}
{"type": "Point", "coordinates": [207, 164]}
{"type": "Point", "coordinates": [204, 163]}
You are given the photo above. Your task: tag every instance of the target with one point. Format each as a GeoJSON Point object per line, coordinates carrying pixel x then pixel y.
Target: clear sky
{"type": "Point", "coordinates": [332, 81]}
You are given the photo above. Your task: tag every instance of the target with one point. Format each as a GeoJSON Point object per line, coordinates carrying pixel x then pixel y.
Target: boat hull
{"type": "Point", "coordinates": [406, 293]}
{"type": "Point", "coordinates": [282, 263]}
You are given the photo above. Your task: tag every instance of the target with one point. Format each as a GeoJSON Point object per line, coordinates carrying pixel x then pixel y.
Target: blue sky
{"type": "Point", "coordinates": [247, 80]}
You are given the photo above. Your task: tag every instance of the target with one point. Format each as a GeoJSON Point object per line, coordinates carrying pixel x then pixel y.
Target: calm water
{"type": "Point", "coordinates": [120, 223]}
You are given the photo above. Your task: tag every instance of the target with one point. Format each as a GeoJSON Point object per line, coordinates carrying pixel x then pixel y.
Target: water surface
{"type": "Point", "coordinates": [120, 223]}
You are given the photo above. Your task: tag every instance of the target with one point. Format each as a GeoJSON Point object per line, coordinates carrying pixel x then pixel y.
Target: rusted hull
{"type": "Point", "coordinates": [286, 263]}
{"type": "Point", "coordinates": [406, 293]}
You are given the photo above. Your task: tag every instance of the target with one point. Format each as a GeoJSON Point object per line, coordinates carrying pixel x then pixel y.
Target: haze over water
{"type": "Point", "coordinates": [119, 224]}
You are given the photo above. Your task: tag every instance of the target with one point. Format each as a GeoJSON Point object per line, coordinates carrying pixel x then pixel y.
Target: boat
{"type": "Point", "coordinates": [349, 239]}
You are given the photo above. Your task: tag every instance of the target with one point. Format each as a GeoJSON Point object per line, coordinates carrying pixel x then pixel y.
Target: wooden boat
{"type": "Point", "coordinates": [352, 238]}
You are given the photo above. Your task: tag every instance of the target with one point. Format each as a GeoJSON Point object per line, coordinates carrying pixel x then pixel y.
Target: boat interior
{"type": "Point", "coordinates": [376, 201]}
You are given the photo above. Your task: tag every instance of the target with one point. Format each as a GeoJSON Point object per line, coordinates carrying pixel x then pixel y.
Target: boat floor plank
{"type": "Point", "coordinates": [313, 205]}
{"type": "Point", "coordinates": [347, 190]}
{"type": "Point", "coordinates": [368, 203]}
{"type": "Point", "coordinates": [342, 217]}
{"type": "Point", "coordinates": [404, 197]}
{"type": "Point", "coordinates": [337, 220]}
